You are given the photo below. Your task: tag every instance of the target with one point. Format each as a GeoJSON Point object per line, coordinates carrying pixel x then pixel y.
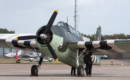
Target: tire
{"type": "Point", "coordinates": [34, 70]}
{"type": "Point", "coordinates": [80, 70]}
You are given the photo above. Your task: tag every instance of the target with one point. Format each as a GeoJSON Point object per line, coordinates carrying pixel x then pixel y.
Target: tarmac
{"type": "Point", "coordinates": [62, 72]}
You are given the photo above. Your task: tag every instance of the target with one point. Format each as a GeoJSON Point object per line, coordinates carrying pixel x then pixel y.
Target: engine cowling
{"type": "Point", "coordinates": [41, 31]}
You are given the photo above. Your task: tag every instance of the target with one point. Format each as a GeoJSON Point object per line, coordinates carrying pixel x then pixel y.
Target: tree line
{"type": "Point", "coordinates": [104, 37]}
{"type": "Point", "coordinates": [4, 30]}
{"type": "Point", "coordinates": [92, 37]}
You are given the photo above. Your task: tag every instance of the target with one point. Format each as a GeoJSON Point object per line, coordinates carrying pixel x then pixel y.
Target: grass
{"type": "Point", "coordinates": [13, 61]}
{"type": "Point", "coordinates": [7, 61]}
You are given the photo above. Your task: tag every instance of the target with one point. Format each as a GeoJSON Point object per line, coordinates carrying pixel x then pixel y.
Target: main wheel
{"type": "Point", "coordinates": [34, 70]}
{"type": "Point", "coordinates": [80, 70]}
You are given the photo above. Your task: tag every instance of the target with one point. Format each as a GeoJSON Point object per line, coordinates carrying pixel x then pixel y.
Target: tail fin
{"type": "Point", "coordinates": [98, 34]}
{"type": "Point", "coordinates": [20, 52]}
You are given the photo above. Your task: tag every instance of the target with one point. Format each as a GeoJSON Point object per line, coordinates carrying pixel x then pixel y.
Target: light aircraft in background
{"type": "Point", "coordinates": [11, 54]}
{"type": "Point", "coordinates": [63, 43]}
{"type": "Point", "coordinates": [37, 59]}
{"type": "Point", "coordinates": [30, 59]}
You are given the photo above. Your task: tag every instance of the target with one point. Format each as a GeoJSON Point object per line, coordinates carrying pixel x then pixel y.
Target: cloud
{"type": "Point", "coordinates": [16, 14]}
{"type": "Point", "coordinates": [84, 2]}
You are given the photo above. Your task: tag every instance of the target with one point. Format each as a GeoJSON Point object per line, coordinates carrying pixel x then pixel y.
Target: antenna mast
{"type": "Point", "coordinates": [75, 16]}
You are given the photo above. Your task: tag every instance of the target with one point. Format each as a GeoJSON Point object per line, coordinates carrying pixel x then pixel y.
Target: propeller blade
{"type": "Point", "coordinates": [51, 51]}
{"type": "Point", "coordinates": [51, 21]}
{"type": "Point", "coordinates": [26, 37]}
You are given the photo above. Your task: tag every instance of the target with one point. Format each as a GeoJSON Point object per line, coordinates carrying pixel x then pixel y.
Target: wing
{"type": "Point", "coordinates": [9, 41]}
{"type": "Point", "coordinates": [104, 47]}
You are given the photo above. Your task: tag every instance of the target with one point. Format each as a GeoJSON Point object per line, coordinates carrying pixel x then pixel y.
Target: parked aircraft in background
{"type": "Point", "coordinates": [31, 57]}
{"type": "Point", "coordinates": [11, 54]}
{"type": "Point", "coordinates": [63, 43]}
{"type": "Point", "coordinates": [36, 59]}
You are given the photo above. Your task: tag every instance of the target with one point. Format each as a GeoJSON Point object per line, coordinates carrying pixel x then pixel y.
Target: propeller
{"type": "Point", "coordinates": [51, 21]}
{"type": "Point", "coordinates": [44, 36]}
{"type": "Point", "coordinates": [51, 51]}
{"type": "Point", "coordinates": [47, 30]}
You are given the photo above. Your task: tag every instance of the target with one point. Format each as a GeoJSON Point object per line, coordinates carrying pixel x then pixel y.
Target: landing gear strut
{"type": "Point", "coordinates": [34, 69]}
{"type": "Point", "coordinates": [80, 68]}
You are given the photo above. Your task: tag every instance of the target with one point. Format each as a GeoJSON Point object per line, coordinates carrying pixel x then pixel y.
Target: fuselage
{"type": "Point", "coordinates": [63, 34]}
{"type": "Point", "coordinates": [10, 54]}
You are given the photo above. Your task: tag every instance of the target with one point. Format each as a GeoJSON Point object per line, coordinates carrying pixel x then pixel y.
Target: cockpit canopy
{"type": "Point", "coordinates": [68, 28]}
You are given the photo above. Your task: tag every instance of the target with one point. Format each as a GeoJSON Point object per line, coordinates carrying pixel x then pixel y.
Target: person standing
{"type": "Point", "coordinates": [73, 71]}
{"type": "Point", "coordinates": [88, 62]}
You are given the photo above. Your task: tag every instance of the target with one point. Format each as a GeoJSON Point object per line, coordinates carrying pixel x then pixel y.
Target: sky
{"type": "Point", "coordinates": [27, 16]}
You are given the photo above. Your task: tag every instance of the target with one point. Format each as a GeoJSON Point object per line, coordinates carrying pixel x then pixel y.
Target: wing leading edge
{"type": "Point", "coordinates": [9, 41]}
{"type": "Point", "coordinates": [107, 45]}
